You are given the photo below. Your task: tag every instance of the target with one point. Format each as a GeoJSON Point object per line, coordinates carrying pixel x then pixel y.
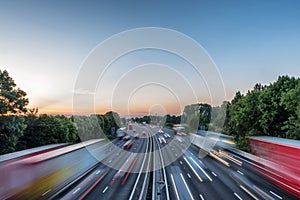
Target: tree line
{"type": "Point", "coordinates": [166, 120]}
{"type": "Point", "coordinates": [271, 110]}
{"type": "Point", "coordinates": [266, 110]}
{"type": "Point", "coordinates": [21, 127]}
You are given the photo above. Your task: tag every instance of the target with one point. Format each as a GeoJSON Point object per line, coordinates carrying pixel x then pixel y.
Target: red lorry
{"type": "Point", "coordinates": [282, 161]}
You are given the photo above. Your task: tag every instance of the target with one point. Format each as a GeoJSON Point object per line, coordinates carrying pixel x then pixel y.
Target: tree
{"type": "Point", "coordinates": [173, 119]}
{"type": "Point", "coordinates": [88, 127]}
{"type": "Point", "coordinates": [196, 115]}
{"type": "Point", "coordinates": [271, 110]}
{"type": "Point", "coordinates": [45, 129]}
{"type": "Point", "coordinates": [204, 114]}
{"type": "Point", "coordinates": [219, 117]}
{"type": "Point", "coordinates": [112, 120]}
{"type": "Point", "coordinates": [69, 127]}
{"type": "Point", "coordinates": [12, 104]}
{"type": "Point", "coordinates": [274, 112]}
{"type": "Point", "coordinates": [12, 99]}
{"type": "Point", "coordinates": [245, 119]}
{"type": "Point", "coordinates": [290, 101]}
{"type": "Point", "coordinates": [11, 129]}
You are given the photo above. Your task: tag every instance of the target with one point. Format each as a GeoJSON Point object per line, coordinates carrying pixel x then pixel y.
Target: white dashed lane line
{"type": "Point", "coordinates": [200, 195]}
{"type": "Point", "coordinates": [240, 198]}
{"type": "Point", "coordinates": [188, 175]}
{"type": "Point", "coordinates": [105, 189]}
{"type": "Point", "coordinates": [46, 192]}
{"type": "Point", "coordinates": [240, 172]}
{"type": "Point", "coordinates": [276, 195]}
{"type": "Point", "coordinates": [76, 190]}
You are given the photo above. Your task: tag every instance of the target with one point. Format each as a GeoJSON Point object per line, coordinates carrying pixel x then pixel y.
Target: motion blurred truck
{"type": "Point", "coordinates": [280, 161]}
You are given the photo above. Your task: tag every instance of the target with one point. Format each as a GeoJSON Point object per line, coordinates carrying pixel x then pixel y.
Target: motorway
{"type": "Point", "coordinates": [158, 165]}
{"type": "Point", "coordinates": [175, 169]}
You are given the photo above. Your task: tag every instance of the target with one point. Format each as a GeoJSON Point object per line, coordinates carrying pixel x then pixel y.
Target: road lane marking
{"type": "Point", "coordinates": [219, 159]}
{"type": "Point", "coordinates": [224, 154]}
{"type": "Point", "coordinates": [175, 187]}
{"type": "Point", "coordinates": [129, 171]}
{"type": "Point", "coordinates": [104, 190]}
{"type": "Point", "coordinates": [46, 192]}
{"type": "Point", "coordinates": [176, 154]}
{"type": "Point", "coordinates": [153, 178]}
{"type": "Point", "coordinates": [240, 172]}
{"type": "Point", "coordinates": [186, 186]}
{"type": "Point", "coordinates": [262, 193]}
{"type": "Point", "coordinates": [247, 191]}
{"type": "Point", "coordinates": [164, 171]}
{"type": "Point", "coordinates": [140, 172]}
{"type": "Point", "coordinates": [188, 175]}
{"type": "Point", "coordinates": [116, 176]}
{"type": "Point", "coordinates": [200, 195]}
{"type": "Point", "coordinates": [214, 173]}
{"type": "Point", "coordinates": [201, 169]}
{"type": "Point", "coordinates": [98, 171]}
{"type": "Point", "coordinates": [76, 190]}
{"type": "Point", "coordinates": [276, 195]}
{"type": "Point", "coordinates": [240, 198]}
{"type": "Point", "coordinates": [90, 188]}
{"type": "Point", "coordinates": [200, 179]}
{"type": "Point", "coordinates": [180, 162]}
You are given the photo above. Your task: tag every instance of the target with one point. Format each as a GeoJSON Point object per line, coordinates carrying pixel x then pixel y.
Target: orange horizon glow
{"type": "Point", "coordinates": [71, 112]}
{"type": "Point", "coordinates": [132, 110]}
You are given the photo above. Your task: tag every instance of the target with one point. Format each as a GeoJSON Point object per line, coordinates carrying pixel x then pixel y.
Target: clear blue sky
{"type": "Point", "coordinates": [43, 43]}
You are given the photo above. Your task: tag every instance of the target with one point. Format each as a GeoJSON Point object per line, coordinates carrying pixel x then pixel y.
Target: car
{"type": "Point", "coordinates": [127, 137]}
{"type": "Point", "coordinates": [134, 130]}
{"type": "Point", "coordinates": [162, 140]}
{"type": "Point", "coordinates": [144, 133]}
{"type": "Point", "coordinates": [137, 136]}
{"type": "Point", "coordinates": [120, 134]}
{"type": "Point", "coordinates": [127, 144]}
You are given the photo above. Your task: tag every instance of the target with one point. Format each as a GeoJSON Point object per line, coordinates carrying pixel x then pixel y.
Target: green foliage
{"type": "Point", "coordinates": [112, 119]}
{"type": "Point", "coordinates": [274, 112]}
{"type": "Point", "coordinates": [11, 129]}
{"type": "Point", "coordinates": [97, 126]}
{"type": "Point", "coordinates": [87, 127]}
{"type": "Point", "coordinates": [271, 110]}
{"type": "Point", "coordinates": [12, 103]}
{"type": "Point", "coordinates": [47, 129]}
{"type": "Point", "coordinates": [173, 119]}
{"type": "Point", "coordinates": [290, 101]}
{"type": "Point", "coordinates": [168, 125]}
{"type": "Point", "coordinates": [21, 128]}
{"type": "Point", "coordinates": [12, 99]}
{"type": "Point", "coordinates": [196, 115]}
{"type": "Point", "coordinates": [219, 117]}
{"type": "Point", "coordinates": [146, 119]}
{"type": "Point", "coordinates": [204, 114]}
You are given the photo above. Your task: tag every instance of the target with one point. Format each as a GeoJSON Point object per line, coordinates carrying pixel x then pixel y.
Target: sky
{"type": "Point", "coordinates": [45, 44]}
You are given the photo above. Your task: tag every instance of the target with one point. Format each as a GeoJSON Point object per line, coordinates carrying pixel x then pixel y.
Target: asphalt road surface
{"type": "Point", "coordinates": [162, 165]}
